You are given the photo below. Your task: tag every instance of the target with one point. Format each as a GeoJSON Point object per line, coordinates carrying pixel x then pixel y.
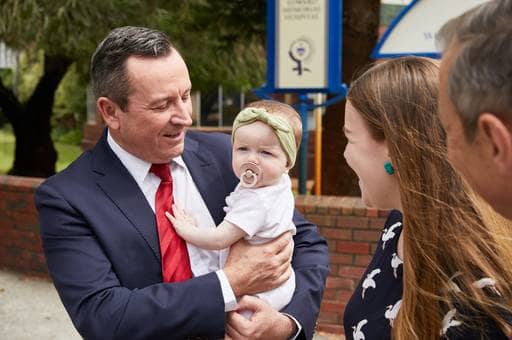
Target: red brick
{"type": "Point", "coordinates": [344, 296]}
{"type": "Point", "coordinates": [337, 233]}
{"type": "Point", "coordinates": [331, 244]}
{"type": "Point", "coordinates": [363, 260]}
{"type": "Point", "coordinates": [352, 222]}
{"type": "Point", "coordinates": [309, 209]}
{"type": "Point", "coordinates": [384, 213]}
{"type": "Point", "coordinates": [353, 247]}
{"type": "Point", "coordinates": [372, 212]}
{"type": "Point", "coordinates": [330, 294]}
{"type": "Point", "coordinates": [373, 247]}
{"type": "Point", "coordinates": [340, 283]}
{"type": "Point", "coordinates": [367, 235]}
{"type": "Point", "coordinates": [333, 268]}
{"type": "Point", "coordinates": [332, 329]}
{"type": "Point", "coordinates": [332, 306]}
{"type": "Point", "coordinates": [321, 220]}
{"type": "Point", "coordinates": [351, 272]}
{"type": "Point", "coordinates": [330, 317]}
{"type": "Point", "coordinates": [341, 258]}
{"type": "Point", "coordinates": [377, 223]}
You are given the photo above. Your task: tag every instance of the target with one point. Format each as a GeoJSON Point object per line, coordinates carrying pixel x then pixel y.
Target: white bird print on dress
{"type": "Point", "coordinates": [369, 282]}
{"type": "Point", "coordinates": [392, 311]}
{"type": "Point", "coordinates": [357, 333]}
{"type": "Point", "coordinates": [395, 262]}
{"type": "Point", "coordinates": [448, 321]}
{"type": "Point", "coordinates": [388, 234]}
{"type": "Point", "coordinates": [487, 282]}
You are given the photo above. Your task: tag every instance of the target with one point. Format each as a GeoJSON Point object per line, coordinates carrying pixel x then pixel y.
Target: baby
{"type": "Point", "coordinates": [266, 136]}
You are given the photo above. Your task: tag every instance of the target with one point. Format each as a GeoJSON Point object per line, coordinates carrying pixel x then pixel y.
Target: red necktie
{"type": "Point", "coordinates": [175, 260]}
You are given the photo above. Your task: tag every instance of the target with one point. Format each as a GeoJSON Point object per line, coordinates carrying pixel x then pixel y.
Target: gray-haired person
{"type": "Point", "coordinates": [476, 99]}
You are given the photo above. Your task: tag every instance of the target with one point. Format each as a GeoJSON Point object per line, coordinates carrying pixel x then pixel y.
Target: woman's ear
{"type": "Point", "coordinates": [498, 141]}
{"type": "Point", "coordinates": [109, 111]}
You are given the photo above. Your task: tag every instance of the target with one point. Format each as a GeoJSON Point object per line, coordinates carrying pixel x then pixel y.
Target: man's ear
{"type": "Point", "coordinates": [109, 111]}
{"type": "Point", "coordinates": [496, 134]}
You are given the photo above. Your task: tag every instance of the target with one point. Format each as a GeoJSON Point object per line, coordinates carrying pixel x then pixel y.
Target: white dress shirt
{"type": "Point", "coordinates": [187, 197]}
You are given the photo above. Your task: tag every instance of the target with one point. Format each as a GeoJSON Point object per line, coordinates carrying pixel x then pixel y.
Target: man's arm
{"type": "Point", "coordinates": [100, 306]}
{"type": "Point", "coordinates": [311, 264]}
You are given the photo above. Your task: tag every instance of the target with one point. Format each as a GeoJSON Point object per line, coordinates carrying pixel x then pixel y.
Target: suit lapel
{"type": "Point", "coordinates": [207, 177]}
{"type": "Point", "coordinates": [118, 184]}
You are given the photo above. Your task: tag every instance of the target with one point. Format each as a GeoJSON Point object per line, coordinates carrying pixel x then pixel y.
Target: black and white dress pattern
{"type": "Point", "coordinates": [373, 307]}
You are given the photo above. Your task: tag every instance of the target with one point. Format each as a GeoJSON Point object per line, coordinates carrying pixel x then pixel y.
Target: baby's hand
{"type": "Point", "coordinates": [181, 221]}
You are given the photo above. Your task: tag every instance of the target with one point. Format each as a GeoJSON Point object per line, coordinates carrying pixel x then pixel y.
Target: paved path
{"type": "Point", "coordinates": [30, 309]}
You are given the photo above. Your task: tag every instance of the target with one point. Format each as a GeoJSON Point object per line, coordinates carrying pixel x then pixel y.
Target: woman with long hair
{"type": "Point", "coordinates": [443, 267]}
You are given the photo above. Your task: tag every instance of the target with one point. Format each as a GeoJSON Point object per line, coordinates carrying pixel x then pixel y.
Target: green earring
{"type": "Point", "coordinates": [389, 168]}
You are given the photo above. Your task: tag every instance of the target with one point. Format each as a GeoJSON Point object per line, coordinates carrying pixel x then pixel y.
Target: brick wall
{"type": "Point", "coordinates": [351, 231]}
{"type": "Point", "coordinates": [20, 245]}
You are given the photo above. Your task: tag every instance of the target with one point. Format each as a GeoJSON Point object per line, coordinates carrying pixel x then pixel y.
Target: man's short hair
{"type": "Point", "coordinates": [480, 76]}
{"type": "Point", "coordinates": [108, 63]}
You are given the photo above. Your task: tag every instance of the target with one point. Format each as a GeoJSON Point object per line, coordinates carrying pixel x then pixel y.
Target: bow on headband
{"type": "Point", "coordinates": [281, 127]}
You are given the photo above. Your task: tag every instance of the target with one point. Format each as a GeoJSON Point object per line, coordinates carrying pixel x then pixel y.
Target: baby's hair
{"type": "Point", "coordinates": [285, 111]}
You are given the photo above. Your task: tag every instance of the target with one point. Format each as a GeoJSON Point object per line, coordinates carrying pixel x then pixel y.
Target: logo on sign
{"type": "Point", "coordinates": [300, 51]}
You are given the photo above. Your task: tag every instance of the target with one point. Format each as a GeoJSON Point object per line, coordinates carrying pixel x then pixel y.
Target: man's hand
{"type": "Point", "coordinates": [265, 323]}
{"type": "Point", "coordinates": [252, 269]}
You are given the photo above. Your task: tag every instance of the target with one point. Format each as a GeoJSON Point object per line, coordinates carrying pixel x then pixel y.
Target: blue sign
{"type": "Point", "coordinates": [304, 46]}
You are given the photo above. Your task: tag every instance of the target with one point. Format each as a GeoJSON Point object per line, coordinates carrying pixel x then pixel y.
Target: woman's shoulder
{"type": "Point", "coordinates": [394, 216]}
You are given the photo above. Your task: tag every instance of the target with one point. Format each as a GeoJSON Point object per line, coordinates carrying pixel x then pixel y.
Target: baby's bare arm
{"type": "Point", "coordinates": [206, 238]}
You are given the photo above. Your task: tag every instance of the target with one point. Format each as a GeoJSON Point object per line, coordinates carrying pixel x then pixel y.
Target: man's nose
{"type": "Point", "coordinates": [182, 115]}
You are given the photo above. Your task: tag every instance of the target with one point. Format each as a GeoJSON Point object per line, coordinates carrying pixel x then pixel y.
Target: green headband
{"type": "Point", "coordinates": [281, 127]}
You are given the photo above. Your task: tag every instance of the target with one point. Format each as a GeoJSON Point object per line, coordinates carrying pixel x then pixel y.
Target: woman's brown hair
{"type": "Point", "coordinates": [451, 238]}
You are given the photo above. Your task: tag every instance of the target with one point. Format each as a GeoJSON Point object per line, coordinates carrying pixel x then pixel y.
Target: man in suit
{"type": "Point", "coordinates": [104, 246]}
{"type": "Point", "coordinates": [475, 99]}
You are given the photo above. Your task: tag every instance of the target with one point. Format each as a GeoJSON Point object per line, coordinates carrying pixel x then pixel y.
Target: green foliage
{"type": "Point", "coordinates": [69, 109]}
{"type": "Point", "coordinates": [223, 42]}
{"type": "Point", "coordinates": [388, 13]}
{"type": "Point", "coordinates": [71, 28]}
{"type": "Point", "coordinates": [67, 153]}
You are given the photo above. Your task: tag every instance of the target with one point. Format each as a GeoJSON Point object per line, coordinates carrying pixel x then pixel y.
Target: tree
{"type": "Point", "coordinates": [67, 32]}
{"type": "Point", "coordinates": [360, 24]}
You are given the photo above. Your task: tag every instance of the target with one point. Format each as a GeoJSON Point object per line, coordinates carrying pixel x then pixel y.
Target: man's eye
{"type": "Point", "coordinates": [160, 107]}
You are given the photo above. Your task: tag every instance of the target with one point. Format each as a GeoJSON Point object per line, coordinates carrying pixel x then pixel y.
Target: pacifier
{"type": "Point", "coordinates": [249, 176]}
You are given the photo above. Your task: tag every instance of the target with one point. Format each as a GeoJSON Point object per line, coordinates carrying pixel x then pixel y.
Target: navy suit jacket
{"type": "Point", "coordinates": [101, 244]}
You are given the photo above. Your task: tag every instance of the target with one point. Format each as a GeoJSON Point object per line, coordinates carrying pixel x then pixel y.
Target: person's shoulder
{"type": "Point", "coordinates": [394, 217]}
{"type": "Point", "coordinates": [71, 175]}
{"type": "Point", "coordinates": [210, 138]}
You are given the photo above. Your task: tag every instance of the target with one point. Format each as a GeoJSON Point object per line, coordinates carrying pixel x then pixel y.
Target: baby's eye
{"type": "Point", "coordinates": [267, 153]}
{"type": "Point", "coordinates": [241, 148]}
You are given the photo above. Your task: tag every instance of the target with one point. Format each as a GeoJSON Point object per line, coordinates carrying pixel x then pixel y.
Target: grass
{"type": "Point", "coordinates": [66, 152]}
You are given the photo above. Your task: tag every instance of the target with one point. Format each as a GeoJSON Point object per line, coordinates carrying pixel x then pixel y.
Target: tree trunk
{"type": "Point", "coordinates": [35, 154]}
{"type": "Point", "coordinates": [360, 30]}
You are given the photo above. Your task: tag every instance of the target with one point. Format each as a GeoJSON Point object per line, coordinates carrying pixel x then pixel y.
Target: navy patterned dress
{"type": "Point", "coordinates": [371, 310]}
